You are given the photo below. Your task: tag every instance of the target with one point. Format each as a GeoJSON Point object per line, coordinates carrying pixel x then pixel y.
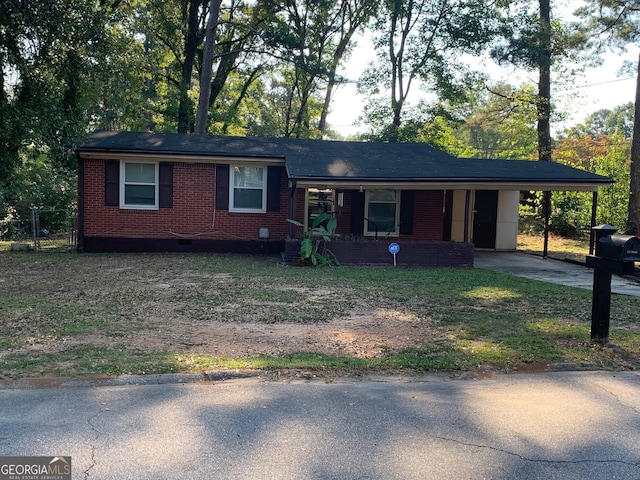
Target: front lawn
{"type": "Point", "coordinates": [69, 314]}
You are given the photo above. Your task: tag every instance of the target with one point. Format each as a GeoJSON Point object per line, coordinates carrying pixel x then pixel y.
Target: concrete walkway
{"type": "Point", "coordinates": [549, 270]}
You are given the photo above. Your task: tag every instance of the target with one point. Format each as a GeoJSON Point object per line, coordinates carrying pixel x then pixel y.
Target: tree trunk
{"type": "Point", "coordinates": [190, 49]}
{"type": "Point", "coordinates": [207, 68]}
{"type": "Point", "coordinates": [243, 93]}
{"type": "Point", "coordinates": [337, 57]}
{"type": "Point", "coordinates": [633, 218]}
{"type": "Point", "coordinates": [322, 124]}
{"type": "Point", "coordinates": [544, 84]}
{"type": "Point", "coordinates": [226, 64]}
{"type": "Point", "coordinates": [544, 107]}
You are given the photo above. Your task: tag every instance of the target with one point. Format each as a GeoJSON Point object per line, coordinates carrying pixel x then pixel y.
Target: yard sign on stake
{"type": "Point", "coordinates": [394, 248]}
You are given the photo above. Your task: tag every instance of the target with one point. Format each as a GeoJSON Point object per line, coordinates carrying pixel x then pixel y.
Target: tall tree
{"type": "Point", "coordinates": [544, 52]}
{"type": "Point", "coordinates": [535, 42]}
{"type": "Point", "coordinates": [310, 38]}
{"type": "Point", "coordinates": [175, 33]}
{"type": "Point", "coordinates": [615, 24]}
{"type": "Point", "coordinates": [351, 15]}
{"type": "Point", "coordinates": [422, 41]}
{"type": "Point", "coordinates": [502, 123]}
{"type": "Point", "coordinates": [51, 55]}
{"type": "Point", "coordinates": [242, 58]}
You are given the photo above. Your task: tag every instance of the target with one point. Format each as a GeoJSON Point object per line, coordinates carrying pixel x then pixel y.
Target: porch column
{"type": "Point", "coordinates": [467, 211]}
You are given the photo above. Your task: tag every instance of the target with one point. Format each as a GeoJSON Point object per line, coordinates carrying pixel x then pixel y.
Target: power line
{"type": "Point", "coordinates": [598, 84]}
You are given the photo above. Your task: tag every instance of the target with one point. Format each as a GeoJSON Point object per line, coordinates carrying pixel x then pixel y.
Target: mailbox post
{"type": "Point", "coordinates": [614, 254]}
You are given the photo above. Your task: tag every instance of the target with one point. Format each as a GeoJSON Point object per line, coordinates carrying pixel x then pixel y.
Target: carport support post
{"type": "Point", "coordinates": [600, 306]}
{"type": "Point", "coordinates": [594, 213]}
{"type": "Point", "coordinates": [546, 200]}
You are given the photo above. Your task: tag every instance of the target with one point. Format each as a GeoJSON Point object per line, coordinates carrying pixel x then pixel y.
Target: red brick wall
{"type": "Point", "coordinates": [428, 222]}
{"type": "Point", "coordinates": [193, 214]}
{"type": "Point", "coordinates": [428, 218]}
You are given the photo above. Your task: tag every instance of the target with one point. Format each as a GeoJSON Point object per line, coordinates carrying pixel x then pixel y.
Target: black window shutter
{"type": "Point", "coordinates": [274, 184]}
{"type": "Point", "coordinates": [406, 211]}
{"type": "Point", "coordinates": [222, 187]}
{"type": "Point", "coordinates": [357, 212]}
{"type": "Point", "coordinates": [112, 183]}
{"type": "Point", "coordinates": [165, 172]}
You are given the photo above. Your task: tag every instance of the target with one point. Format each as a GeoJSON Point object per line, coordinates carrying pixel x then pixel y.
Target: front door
{"type": "Point", "coordinates": [485, 218]}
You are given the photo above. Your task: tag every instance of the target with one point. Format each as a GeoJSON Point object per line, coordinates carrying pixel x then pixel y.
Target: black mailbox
{"type": "Point", "coordinates": [614, 254]}
{"type": "Point", "coordinates": [623, 248]}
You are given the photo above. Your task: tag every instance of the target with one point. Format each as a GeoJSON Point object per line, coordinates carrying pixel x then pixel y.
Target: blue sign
{"type": "Point", "coordinates": [394, 248]}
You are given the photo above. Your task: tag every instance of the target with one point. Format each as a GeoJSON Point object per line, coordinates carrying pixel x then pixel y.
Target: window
{"type": "Point", "coordinates": [381, 212]}
{"type": "Point", "coordinates": [248, 192]}
{"type": "Point", "coordinates": [319, 201]}
{"type": "Point", "coordinates": [139, 185]}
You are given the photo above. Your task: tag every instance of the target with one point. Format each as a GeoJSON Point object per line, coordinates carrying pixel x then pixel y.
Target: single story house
{"type": "Point", "coordinates": [175, 192]}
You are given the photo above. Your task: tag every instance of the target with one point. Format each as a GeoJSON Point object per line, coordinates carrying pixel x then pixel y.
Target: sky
{"type": "Point", "coordinates": [596, 89]}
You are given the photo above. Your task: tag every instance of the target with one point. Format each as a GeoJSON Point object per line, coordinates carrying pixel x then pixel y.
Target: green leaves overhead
{"type": "Point", "coordinates": [51, 54]}
{"type": "Point", "coordinates": [422, 42]}
{"type": "Point", "coordinates": [71, 66]}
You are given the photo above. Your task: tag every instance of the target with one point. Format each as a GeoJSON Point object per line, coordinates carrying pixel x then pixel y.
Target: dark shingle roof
{"type": "Point", "coordinates": [323, 161]}
{"type": "Point", "coordinates": [182, 144]}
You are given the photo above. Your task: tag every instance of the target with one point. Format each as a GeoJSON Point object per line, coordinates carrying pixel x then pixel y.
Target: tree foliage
{"type": "Point", "coordinates": [422, 41]}
{"type": "Point", "coordinates": [77, 65]}
{"type": "Point", "coordinates": [603, 154]}
{"type": "Point", "coordinates": [597, 152]}
{"type": "Point", "coordinates": [55, 59]}
{"type": "Point", "coordinates": [614, 24]}
{"type": "Point", "coordinates": [311, 38]}
{"type": "Point", "coordinates": [501, 123]}
{"type": "Point", "coordinates": [72, 66]}
{"type": "Point", "coordinates": [617, 121]}
{"type": "Point", "coordinates": [538, 40]}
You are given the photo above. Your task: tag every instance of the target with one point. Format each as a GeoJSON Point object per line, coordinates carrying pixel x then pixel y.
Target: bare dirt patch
{"type": "Point", "coordinates": [363, 333]}
{"type": "Point", "coordinates": [165, 303]}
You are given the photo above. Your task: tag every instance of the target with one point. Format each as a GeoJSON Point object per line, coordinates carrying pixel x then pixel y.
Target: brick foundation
{"type": "Point", "coordinates": [412, 254]}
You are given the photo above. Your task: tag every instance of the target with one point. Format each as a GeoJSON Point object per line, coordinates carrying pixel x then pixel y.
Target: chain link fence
{"type": "Point", "coordinates": [47, 229]}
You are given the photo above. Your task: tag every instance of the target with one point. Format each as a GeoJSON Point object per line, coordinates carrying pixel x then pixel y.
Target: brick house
{"type": "Point", "coordinates": [172, 192]}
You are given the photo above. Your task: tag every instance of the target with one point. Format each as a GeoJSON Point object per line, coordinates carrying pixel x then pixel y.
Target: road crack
{"type": "Point", "coordinates": [618, 399]}
{"type": "Point", "coordinates": [538, 460]}
{"type": "Point", "coordinates": [98, 433]}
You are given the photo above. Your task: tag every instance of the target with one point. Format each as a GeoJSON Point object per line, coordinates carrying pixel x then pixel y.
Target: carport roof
{"type": "Point", "coordinates": [339, 163]}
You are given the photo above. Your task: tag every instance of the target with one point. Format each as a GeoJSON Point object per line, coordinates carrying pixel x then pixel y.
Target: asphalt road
{"type": "Point", "coordinates": [562, 425]}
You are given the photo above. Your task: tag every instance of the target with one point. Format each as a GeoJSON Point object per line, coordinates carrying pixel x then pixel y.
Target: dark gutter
{"type": "Point", "coordinates": [356, 180]}
{"type": "Point", "coordinates": [172, 152]}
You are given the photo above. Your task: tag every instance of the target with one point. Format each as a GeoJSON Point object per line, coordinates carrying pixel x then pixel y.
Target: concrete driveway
{"type": "Point", "coordinates": [549, 270]}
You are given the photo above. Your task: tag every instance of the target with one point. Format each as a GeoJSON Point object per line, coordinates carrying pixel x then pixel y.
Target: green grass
{"type": "Point", "coordinates": [53, 305]}
{"type": "Point", "coordinates": [558, 247]}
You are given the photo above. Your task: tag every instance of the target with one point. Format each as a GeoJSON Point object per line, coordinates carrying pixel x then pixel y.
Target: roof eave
{"type": "Point", "coordinates": [122, 154]}
{"type": "Point", "coordinates": [454, 184]}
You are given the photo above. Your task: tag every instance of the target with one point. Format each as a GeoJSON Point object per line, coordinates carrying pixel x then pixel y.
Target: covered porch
{"type": "Point", "coordinates": [433, 225]}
